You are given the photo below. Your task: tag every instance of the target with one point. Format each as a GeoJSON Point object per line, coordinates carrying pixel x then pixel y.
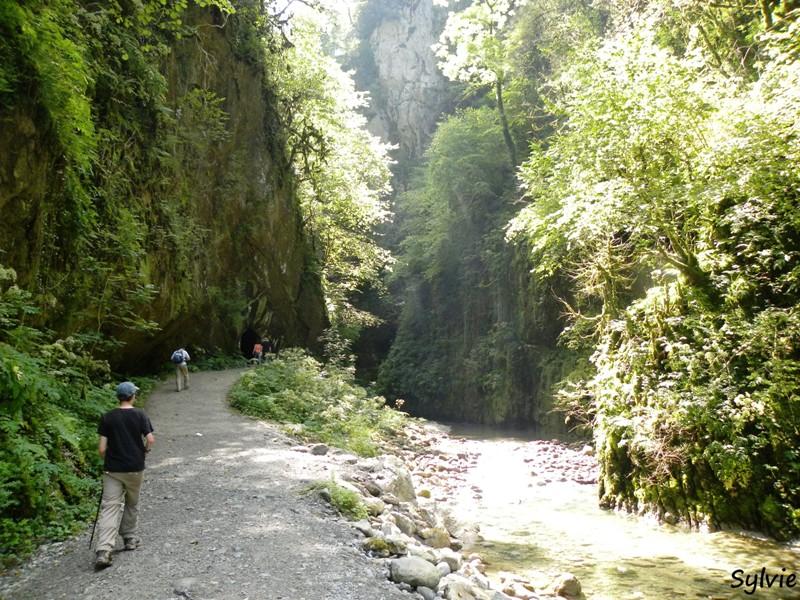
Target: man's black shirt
{"type": "Point", "coordinates": [124, 428]}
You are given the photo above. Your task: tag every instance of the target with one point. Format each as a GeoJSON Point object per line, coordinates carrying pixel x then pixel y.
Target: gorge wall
{"type": "Point", "coordinates": [396, 64]}
{"type": "Point", "coordinates": [475, 338]}
{"type": "Point", "coordinates": [180, 224]}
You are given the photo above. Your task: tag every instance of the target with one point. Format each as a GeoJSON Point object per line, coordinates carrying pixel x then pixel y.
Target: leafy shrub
{"type": "Point", "coordinates": [347, 502]}
{"type": "Point", "coordinates": [53, 394]}
{"type": "Point", "coordinates": [217, 362]}
{"type": "Point", "coordinates": [296, 388]}
{"type": "Point", "coordinates": [48, 456]}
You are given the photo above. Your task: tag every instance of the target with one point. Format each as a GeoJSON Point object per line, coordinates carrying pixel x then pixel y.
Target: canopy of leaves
{"type": "Point", "coordinates": [342, 170]}
{"type": "Point", "coordinates": [665, 195]}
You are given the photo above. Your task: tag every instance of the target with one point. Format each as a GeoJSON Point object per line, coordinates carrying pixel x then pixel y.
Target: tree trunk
{"type": "Point", "coordinates": [766, 11]}
{"type": "Point", "coordinates": [512, 150]}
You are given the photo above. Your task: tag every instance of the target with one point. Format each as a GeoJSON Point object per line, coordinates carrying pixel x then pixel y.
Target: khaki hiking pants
{"type": "Point", "coordinates": [120, 508]}
{"type": "Point", "coordinates": [181, 376]}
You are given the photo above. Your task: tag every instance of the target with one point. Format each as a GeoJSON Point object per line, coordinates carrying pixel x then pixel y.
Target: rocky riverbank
{"type": "Point", "coordinates": [411, 528]}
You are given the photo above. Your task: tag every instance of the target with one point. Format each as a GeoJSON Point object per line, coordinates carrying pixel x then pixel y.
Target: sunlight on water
{"type": "Point", "coordinates": [540, 530]}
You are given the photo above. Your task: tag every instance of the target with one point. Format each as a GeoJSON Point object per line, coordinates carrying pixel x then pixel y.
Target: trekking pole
{"type": "Point", "coordinates": [96, 516]}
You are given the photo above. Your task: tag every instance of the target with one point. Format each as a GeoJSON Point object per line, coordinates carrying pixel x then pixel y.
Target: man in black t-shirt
{"type": "Point", "coordinates": [126, 434]}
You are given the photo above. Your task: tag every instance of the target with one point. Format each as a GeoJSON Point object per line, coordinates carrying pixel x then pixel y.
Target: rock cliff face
{"type": "Point", "coordinates": [210, 215]}
{"type": "Point", "coordinates": [399, 68]}
{"type": "Point", "coordinates": [253, 267]}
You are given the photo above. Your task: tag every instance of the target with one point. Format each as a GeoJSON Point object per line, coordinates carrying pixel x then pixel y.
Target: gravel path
{"type": "Point", "coordinates": [222, 516]}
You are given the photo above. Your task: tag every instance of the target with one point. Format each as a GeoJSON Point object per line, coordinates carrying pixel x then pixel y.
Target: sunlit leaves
{"type": "Point", "coordinates": [666, 194]}
{"type": "Point", "coordinates": [342, 170]}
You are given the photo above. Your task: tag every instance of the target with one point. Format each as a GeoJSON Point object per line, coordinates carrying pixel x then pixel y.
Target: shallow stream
{"type": "Point", "coordinates": [538, 529]}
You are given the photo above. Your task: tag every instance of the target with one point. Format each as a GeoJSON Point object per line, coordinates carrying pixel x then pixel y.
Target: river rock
{"type": "Point", "coordinates": [185, 586]}
{"type": "Point", "coordinates": [384, 547]}
{"type": "Point", "coordinates": [567, 585]}
{"type": "Point", "coordinates": [670, 518]}
{"type": "Point", "coordinates": [414, 571]}
{"type": "Point", "coordinates": [518, 590]}
{"type": "Point", "coordinates": [436, 537]}
{"type": "Point", "coordinates": [365, 528]}
{"type": "Point", "coordinates": [452, 558]}
{"type": "Point", "coordinates": [422, 552]}
{"type": "Point", "coordinates": [319, 449]}
{"type": "Point", "coordinates": [369, 465]}
{"type": "Point", "coordinates": [456, 587]}
{"type": "Point", "coordinates": [428, 516]}
{"type": "Point", "coordinates": [390, 499]}
{"type": "Point", "coordinates": [373, 488]}
{"type": "Point", "coordinates": [396, 480]}
{"type": "Point", "coordinates": [404, 523]}
{"type": "Point", "coordinates": [375, 506]}
{"type": "Point", "coordinates": [389, 529]}
{"type": "Point", "coordinates": [426, 593]}
{"type": "Point", "coordinates": [444, 568]}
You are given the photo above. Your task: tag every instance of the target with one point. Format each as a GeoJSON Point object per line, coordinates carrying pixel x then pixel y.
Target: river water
{"type": "Point", "coordinates": [538, 530]}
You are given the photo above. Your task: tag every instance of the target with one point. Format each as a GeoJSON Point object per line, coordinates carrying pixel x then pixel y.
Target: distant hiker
{"type": "Point", "coordinates": [126, 434]}
{"type": "Point", "coordinates": [179, 358]}
{"type": "Point", "coordinates": [258, 352]}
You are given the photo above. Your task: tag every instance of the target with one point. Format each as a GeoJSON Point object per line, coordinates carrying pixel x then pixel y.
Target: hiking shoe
{"type": "Point", "coordinates": [132, 543]}
{"type": "Point", "coordinates": [102, 559]}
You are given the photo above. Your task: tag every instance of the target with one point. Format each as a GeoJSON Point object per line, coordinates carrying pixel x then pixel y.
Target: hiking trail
{"type": "Point", "coordinates": [223, 516]}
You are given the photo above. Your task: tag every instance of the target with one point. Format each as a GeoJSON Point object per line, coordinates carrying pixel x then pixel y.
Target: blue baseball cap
{"type": "Point", "coordinates": [126, 389]}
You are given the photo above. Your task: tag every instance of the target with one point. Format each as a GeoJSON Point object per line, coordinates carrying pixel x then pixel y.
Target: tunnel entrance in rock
{"type": "Point", "coordinates": [249, 339]}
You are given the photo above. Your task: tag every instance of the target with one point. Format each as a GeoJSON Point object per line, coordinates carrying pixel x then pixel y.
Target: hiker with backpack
{"type": "Point", "coordinates": [126, 435]}
{"type": "Point", "coordinates": [179, 358]}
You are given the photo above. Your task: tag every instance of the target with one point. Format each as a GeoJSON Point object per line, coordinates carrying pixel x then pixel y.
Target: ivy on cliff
{"type": "Point", "coordinates": [88, 75]}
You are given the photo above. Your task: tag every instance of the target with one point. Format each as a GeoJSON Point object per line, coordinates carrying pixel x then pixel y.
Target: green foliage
{"type": "Point", "coordinates": [341, 169]}
{"type": "Point", "coordinates": [295, 388]}
{"type": "Point", "coordinates": [347, 502]}
{"type": "Point", "coordinates": [460, 350]}
{"type": "Point", "coordinates": [473, 48]}
{"type": "Point", "coordinates": [216, 361]}
{"type": "Point", "coordinates": [476, 335]}
{"type": "Point", "coordinates": [46, 48]}
{"type": "Point", "coordinates": [683, 251]}
{"type": "Point", "coordinates": [94, 74]}
{"type": "Point", "coordinates": [48, 414]}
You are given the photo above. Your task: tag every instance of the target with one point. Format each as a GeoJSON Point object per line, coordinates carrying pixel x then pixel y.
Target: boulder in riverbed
{"type": "Point", "coordinates": [568, 586]}
{"type": "Point", "coordinates": [384, 547]}
{"type": "Point", "coordinates": [436, 537]}
{"type": "Point", "coordinates": [415, 571]}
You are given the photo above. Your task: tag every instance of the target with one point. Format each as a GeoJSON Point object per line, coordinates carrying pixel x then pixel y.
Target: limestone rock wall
{"type": "Point", "coordinates": [409, 93]}
{"type": "Point", "coordinates": [210, 221]}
